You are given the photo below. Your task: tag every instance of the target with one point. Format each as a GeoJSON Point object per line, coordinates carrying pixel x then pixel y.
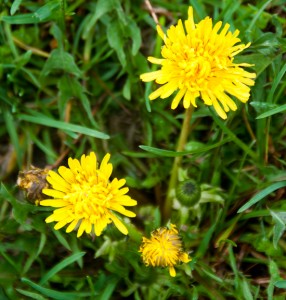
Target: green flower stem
{"type": "Point", "coordinates": [177, 163]}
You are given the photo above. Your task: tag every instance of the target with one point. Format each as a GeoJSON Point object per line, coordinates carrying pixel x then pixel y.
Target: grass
{"type": "Point", "coordinates": [70, 84]}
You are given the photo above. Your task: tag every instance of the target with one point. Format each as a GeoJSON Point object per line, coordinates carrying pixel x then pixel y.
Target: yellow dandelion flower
{"type": "Point", "coordinates": [85, 197]}
{"type": "Point", "coordinates": [164, 249]}
{"type": "Point", "coordinates": [198, 62]}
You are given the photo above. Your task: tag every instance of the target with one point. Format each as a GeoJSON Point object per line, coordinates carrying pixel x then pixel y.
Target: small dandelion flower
{"type": "Point", "coordinates": [85, 197]}
{"type": "Point", "coordinates": [198, 62]}
{"type": "Point", "coordinates": [164, 249]}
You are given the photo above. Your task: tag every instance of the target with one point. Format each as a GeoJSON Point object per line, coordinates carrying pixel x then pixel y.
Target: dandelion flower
{"type": "Point", "coordinates": [198, 62]}
{"type": "Point", "coordinates": [164, 249]}
{"type": "Point", "coordinates": [85, 198]}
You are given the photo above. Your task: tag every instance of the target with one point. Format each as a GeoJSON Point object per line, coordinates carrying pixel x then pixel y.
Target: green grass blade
{"type": "Point", "coordinates": [12, 130]}
{"type": "Point", "coordinates": [67, 261]}
{"type": "Point", "coordinates": [231, 135]}
{"type": "Point", "coordinates": [63, 126]}
{"type": "Point", "coordinates": [275, 83]}
{"type": "Point", "coordinates": [31, 295]}
{"type": "Point", "coordinates": [55, 294]}
{"type": "Point", "coordinates": [169, 153]}
{"type": "Point", "coordinates": [273, 111]}
{"type": "Point", "coordinates": [262, 194]}
{"type": "Point", "coordinates": [258, 14]}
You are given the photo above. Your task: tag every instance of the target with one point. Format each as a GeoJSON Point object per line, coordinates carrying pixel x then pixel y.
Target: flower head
{"type": "Point", "coordinates": [164, 249]}
{"type": "Point", "coordinates": [84, 196]}
{"type": "Point", "coordinates": [198, 62]}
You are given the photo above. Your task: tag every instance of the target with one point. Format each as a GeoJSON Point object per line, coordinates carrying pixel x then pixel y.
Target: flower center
{"type": "Point", "coordinates": [89, 199]}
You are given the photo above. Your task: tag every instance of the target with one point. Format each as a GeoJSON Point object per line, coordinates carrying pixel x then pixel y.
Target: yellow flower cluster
{"type": "Point", "coordinates": [198, 62]}
{"type": "Point", "coordinates": [164, 249]}
{"type": "Point", "coordinates": [85, 198]}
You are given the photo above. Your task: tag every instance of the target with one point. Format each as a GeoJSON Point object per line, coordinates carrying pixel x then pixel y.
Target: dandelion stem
{"type": "Point", "coordinates": [177, 162]}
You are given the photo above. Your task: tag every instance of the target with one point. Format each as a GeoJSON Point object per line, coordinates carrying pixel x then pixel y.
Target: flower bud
{"type": "Point", "coordinates": [188, 192]}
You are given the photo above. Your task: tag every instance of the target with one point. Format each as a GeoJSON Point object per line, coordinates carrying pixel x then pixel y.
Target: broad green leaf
{"type": "Point", "coordinates": [63, 61]}
{"type": "Point", "coordinates": [274, 277]}
{"type": "Point", "coordinates": [70, 87]}
{"type": "Point", "coordinates": [169, 153]}
{"type": "Point", "coordinates": [64, 263]}
{"type": "Point", "coordinates": [62, 125]}
{"type": "Point", "coordinates": [127, 89]}
{"type": "Point", "coordinates": [259, 61]}
{"type": "Point", "coordinates": [135, 34]}
{"type": "Point", "coordinates": [20, 210]}
{"type": "Point", "coordinates": [262, 194]}
{"type": "Point", "coordinates": [279, 228]}
{"type": "Point", "coordinates": [281, 284]}
{"type": "Point", "coordinates": [246, 290]}
{"type": "Point", "coordinates": [21, 19]}
{"type": "Point", "coordinates": [115, 39]}
{"type": "Point", "coordinates": [15, 6]}
{"type": "Point", "coordinates": [262, 107]}
{"type": "Point", "coordinates": [42, 14]}
{"type": "Point", "coordinates": [102, 7]}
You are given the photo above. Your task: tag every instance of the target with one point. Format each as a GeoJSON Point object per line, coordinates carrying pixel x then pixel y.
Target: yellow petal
{"type": "Point", "coordinates": [219, 110]}
{"type": "Point", "coordinates": [146, 77]}
{"type": "Point", "coordinates": [54, 202]}
{"type": "Point", "coordinates": [172, 271]}
{"type": "Point", "coordinates": [53, 193]}
{"type": "Point", "coordinates": [156, 61]}
{"type": "Point", "coordinates": [120, 226]}
{"type": "Point", "coordinates": [71, 226]}
{"type": "Point", "coordinates": [60, 224]}
{"type": "Point", "coordinates": [178, 98]}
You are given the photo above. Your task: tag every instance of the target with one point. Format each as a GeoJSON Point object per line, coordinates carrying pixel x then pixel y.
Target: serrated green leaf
{"type": "Point", "coordinates": [262, 194]}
